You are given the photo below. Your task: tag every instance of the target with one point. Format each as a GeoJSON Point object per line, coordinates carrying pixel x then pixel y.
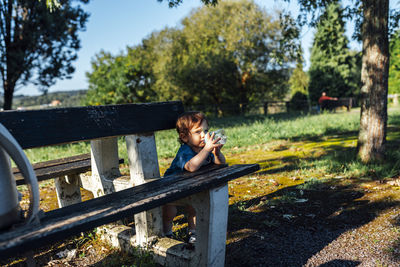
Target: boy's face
{"type": "Point", "coordinates": [196, 136]}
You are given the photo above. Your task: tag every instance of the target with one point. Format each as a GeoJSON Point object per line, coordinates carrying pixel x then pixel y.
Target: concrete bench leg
{"type": "Point", "coordinates": [105, 167]}
{"type": "Point", "coordinates": [143, 167]}
{"type": "Point", "coordinates": [211, 226]}
{"type": "Point", "coordinates": [68, 190]}
{"type": "Point", "coordinates": [212, 220]}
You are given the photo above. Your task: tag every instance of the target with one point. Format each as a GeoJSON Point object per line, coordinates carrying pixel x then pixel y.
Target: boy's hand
{"type": "Point", "coordinates": [211, 144]}
{"type": "Point", "coordinates": [217, 150]}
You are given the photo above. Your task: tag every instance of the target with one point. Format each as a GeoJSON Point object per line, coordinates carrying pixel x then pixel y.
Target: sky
{"type": "Point", "coordinates": [114, 25]}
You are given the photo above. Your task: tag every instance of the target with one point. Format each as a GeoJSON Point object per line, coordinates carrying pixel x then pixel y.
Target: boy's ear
{"type": "Point", "coordinates": [183, 137]}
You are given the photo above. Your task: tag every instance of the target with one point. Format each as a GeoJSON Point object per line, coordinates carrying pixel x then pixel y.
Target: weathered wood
{"type": "Point", "coordinates": [59, 167]}
{"type": "Point", "coordinates": [73, 219]}
{"type": "Point", "coordinates": [35, 128]}
{"type": "Point", "coordinates": [331, 105]}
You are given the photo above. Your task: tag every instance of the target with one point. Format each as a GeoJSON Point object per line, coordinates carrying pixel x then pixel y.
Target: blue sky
{"type": "Point", "coordinates": [113, 25]}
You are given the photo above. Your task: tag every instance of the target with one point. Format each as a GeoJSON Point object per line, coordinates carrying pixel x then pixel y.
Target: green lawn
{"type": "Point", "coordinates": [296, 153]}
{"type": "Point", "coordinates": [338, 131]}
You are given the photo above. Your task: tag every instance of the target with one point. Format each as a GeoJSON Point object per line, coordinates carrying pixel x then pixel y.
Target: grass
{"type": "Point", "coordinates": [294, 152]}
{"type": "Point", "coordinates": [338, 131]}
{"type": "Point", "coordinates": [242, 132]}
{"type": "Point", "coordinates": [310, 146]}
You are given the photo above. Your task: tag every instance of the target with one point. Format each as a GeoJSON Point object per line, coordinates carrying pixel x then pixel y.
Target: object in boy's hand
{"type": "Point", "coordinates": [220, 134]}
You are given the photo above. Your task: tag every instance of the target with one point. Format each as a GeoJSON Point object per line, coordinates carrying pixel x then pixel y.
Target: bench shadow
{"type": "Point", "coordinates": [336, 263]}
{"type": "Point", "coordinates": [289, 233]}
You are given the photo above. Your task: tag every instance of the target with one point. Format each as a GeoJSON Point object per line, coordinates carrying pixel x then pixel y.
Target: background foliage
{"type": "Point", "coordinates": [394, 67]}
{"type": "Point", "coordinates": [37, 45]}
{"type": "Point", "coordinates": [234, 52]}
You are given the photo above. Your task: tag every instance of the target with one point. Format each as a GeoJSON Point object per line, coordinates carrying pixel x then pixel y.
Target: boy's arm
{"type": "Point", "coordinates": [197, 161]}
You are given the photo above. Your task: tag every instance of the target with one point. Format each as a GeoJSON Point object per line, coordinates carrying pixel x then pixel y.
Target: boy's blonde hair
{"type": "Point", "coordinates": [187, 121]}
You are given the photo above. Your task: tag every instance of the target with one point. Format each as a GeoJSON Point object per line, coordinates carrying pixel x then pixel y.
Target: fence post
{"type": "Point", "coordinates": [265, 108]}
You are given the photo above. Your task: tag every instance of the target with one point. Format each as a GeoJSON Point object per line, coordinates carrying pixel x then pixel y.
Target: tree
{"type": "Point", "coordinates": [299, 88]}
{"type": "Point", "coordinates": [234, 53]}
{"type": "Point", "coordinates": [334, 68]}
{"type": "Point", "coordinates": [133, 76]}
{"type": "Point", "coordinates": [372, 20]}
{"type": "Point", "coordinates": [37, 45]}
{"type": "Point", "coordinates": [299, 80]}
{"type": "Point", "coordinates": [394, 66]}
{"type": "Point", "coordinates": [121, 79]}
{"type": "Point", "coordinates": [174, 3]}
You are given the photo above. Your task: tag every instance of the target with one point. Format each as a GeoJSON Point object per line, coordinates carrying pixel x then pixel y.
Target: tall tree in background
{"type": "Point", "coordinates": [137, 75]}
{"type": "Point", "coordinates": [394, 66]}
{"type": "Point", "coordinates": [298, 82]}
{"type": "Point", "coordinates": [37, 45]}
{"type": "Point", "coordinates": [120, 79]}
{"type": "Point", "coordinates": [333, 67]}
{"type": "Point", "coordinates": [372, 19]}
{"type": "Point", "coordinates": [234, 53]}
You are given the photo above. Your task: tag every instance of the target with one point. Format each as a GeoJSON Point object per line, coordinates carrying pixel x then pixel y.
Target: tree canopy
{"type": "Point", "coordinates": [233, 53]}
{"type": "Point", "coordinates": [37, 45]}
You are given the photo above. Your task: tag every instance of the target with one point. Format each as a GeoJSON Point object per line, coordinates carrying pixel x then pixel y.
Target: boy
{"type": "Point", "coordinates": [197, 149]}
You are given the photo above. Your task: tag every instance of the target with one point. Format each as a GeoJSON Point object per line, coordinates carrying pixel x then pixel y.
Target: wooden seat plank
{"type": "Point", "coordinates": [56, 168]}
{"type": "Point", "coordinates": [62, 223]}
{"type": "Point", "coordinates": [55, 162]}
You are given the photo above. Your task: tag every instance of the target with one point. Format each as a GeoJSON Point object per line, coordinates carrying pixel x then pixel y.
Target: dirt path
{"type": "Point", "coordinates": [336, 226]}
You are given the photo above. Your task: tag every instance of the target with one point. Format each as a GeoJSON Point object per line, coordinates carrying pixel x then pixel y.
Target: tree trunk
{"type": "Point", "coordinates": [8, 96]}
{"type": "Point", "coordinates": [374, 78]}
{"type": "Point", "coordinates": [11, 65]}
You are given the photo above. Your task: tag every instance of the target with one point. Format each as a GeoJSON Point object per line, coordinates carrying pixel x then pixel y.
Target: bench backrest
{"type": "Point", "coordinates": [35, 128]}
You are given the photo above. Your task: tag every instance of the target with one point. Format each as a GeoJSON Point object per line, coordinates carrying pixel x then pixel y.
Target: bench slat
{"type": "Point", "coordinates": [54, 162]}
{"type": "Point", "coordinates": [62, 223]}
{"type": "Point", "coordinates": [59, 167]}
{"type": "Point", "coordinates": [35, 128]}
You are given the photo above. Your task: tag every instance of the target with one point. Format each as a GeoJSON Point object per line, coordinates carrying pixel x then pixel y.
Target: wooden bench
{"type": "Point", "coordinates": [116, 196]}
{"type": "Point", "coordinates": [57, 168]}
{"type": "Point", "coordinates": [331, 105]}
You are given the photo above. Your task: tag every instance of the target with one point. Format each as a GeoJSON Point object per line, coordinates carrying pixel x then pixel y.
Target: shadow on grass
{"type": "Point", "coordinates": [339, 159]}
{"type": "Point", "coordinates": [279, 230]}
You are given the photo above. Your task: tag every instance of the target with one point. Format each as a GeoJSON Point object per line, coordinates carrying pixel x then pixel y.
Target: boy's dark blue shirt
{"type": "Point", "coordinates": [184, 154]}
